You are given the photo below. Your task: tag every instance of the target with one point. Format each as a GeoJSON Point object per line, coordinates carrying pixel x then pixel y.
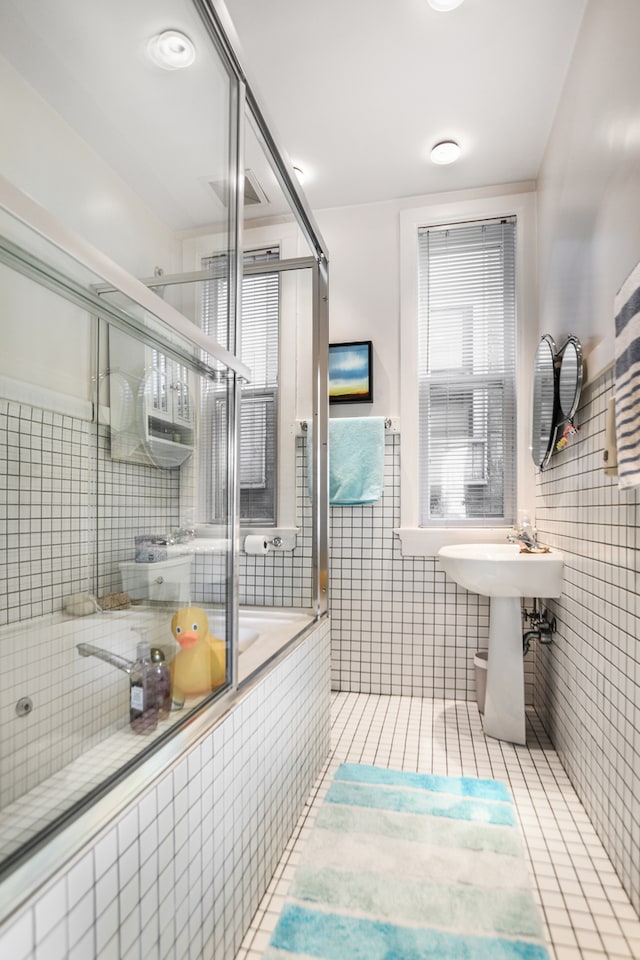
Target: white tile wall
{"type": "Point", "coordinates": [181, 872]}
{"type": "Point", "coordinates": [587, 683]}
{"type": "Point", "coordinates": [398, 624]}
{"type": "Point", "coordinates": [49, 502]}
{"type": "Point", "coordinates": [283, 578]}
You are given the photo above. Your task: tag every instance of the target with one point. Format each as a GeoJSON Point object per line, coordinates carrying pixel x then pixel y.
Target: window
{"type": "Point", "coordinates": [466, 373]}
{"type": "Point", "coordinates": [258, 401]}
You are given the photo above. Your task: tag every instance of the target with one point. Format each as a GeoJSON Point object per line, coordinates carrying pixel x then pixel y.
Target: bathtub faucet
{"type": "Point", "coordinates": [88, 650]}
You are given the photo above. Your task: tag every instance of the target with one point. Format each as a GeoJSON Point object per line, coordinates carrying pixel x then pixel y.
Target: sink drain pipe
{"type": "Point", "coordinates": [541, 629]}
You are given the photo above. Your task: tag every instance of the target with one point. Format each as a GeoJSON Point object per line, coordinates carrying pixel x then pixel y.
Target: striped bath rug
{"type": "Point", "coordinates": [408, 866]}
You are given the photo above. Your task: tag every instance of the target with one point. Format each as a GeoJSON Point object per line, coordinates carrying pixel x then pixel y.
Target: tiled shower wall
{"type": "Point", "coordinates": [587, 682]}
{"type": "Point", "coordinates": [48, 516]}
{"type": "Point", "coordinates": [399, 625]}
{"type": "Point", "coordinates": [282, 578]}
{"type": "Point", "coordinates": [181, 872]}
{"type": "Point", "coordinates": [55, 507]}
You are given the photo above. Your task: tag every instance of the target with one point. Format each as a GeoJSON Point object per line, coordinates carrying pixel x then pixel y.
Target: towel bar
{"type": "Point", "coordinates": [388, 424]}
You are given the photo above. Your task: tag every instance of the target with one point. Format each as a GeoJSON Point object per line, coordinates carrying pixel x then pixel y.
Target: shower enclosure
{"type": "Point", "coordinates": [164, 315]}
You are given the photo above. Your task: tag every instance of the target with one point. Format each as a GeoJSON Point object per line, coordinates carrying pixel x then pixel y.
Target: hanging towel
{"type": "Point", "coordinates": [627, 386]}
{"type": "Point", "coordinates": [356, 460]}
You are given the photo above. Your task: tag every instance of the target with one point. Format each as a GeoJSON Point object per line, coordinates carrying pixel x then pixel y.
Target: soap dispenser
{"type": "Point", "coordinates": [143, 703]}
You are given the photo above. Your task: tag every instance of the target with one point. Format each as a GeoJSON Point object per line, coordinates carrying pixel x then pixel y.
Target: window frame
{"type": "Point", "coordinates": [426, 541]}
{"type": "Point", "coordinates": [454, 388]}
{"type": "Point", "coordinates": [216, 401]}
{"type": "Point", "coordinates": [287, 238]}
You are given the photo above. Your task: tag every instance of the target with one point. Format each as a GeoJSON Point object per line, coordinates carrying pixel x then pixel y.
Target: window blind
{"type": "Point", "coordinates": [259, 349]}
{"type": "Point", "coordinates": [466, 345]}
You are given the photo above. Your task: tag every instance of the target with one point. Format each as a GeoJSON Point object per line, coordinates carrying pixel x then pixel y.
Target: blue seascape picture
{"type": "Point", "coordinates": [350, 372]}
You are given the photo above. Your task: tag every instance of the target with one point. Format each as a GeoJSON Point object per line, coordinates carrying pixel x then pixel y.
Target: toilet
{"type": "Point", "coordinates": [168, 580]}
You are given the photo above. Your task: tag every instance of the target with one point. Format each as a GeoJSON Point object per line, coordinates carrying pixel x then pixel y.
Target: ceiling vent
{"type": "Point", "coordinates": [253, 192]}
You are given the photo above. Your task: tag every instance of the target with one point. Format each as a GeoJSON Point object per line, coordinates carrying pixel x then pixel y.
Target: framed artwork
{"type": "Point", "coordinates": [351, 372]}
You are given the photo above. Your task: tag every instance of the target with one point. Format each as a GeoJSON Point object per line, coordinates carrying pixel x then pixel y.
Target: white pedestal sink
{"type": "Point", "coordinates": [500, 571]}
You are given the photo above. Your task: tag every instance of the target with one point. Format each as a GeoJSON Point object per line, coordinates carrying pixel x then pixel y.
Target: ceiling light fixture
{"type": "Point", "coordinates": [299, 175]}
{"type": "Point", "coordinates": [443, 6]}
{"type": "Point", "coordinates": [171, 50]}
{"type": "Point", "coordinates": [447, 151]}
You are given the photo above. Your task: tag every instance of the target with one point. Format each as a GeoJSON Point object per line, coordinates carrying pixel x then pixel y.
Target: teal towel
{"type": "Point", "coordinates": [356, 460]}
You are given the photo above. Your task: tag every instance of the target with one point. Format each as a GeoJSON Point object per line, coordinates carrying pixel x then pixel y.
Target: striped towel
{"type": "Point", "coordinates": [627, 386]}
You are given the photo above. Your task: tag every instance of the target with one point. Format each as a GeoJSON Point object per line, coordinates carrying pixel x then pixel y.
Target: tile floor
{"type": "Point", "coordinates": [587, 913]}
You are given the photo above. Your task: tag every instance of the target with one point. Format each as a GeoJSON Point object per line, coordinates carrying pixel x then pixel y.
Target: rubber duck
{"type": "Point", "coordinates": [200, 665]}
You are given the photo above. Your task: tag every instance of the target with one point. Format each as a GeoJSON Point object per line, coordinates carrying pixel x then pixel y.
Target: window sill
{"type": "Point", "coordinates": [422, 542]}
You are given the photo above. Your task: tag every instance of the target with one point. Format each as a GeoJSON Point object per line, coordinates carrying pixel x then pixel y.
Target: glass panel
{"type": "Point", "coordinates": [97, 402]}
{"type": "Point", "coordinates": [99, 558]}
{"type": "Point", "coordinates": [104, 532]}
{"type": "Point", "coordinates": [162, 134]}
{"type": "Point", "coordinates": [259, 348]}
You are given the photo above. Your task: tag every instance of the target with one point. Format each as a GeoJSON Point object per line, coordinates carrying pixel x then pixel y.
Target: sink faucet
{"type": "Point", "coordinates": [524, 535]}
{"type": "Point", "coordinates": [88, 650]}
{"type": "Point", "coordinates": [182, 535]}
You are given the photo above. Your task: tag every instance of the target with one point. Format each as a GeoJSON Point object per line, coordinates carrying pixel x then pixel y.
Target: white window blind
{"type": "Point", "coordinates": [467, 409]}
{"type": "Point", "coordinates": [259, 349]}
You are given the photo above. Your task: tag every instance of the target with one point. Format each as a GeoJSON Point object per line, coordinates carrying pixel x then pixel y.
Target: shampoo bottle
{"type": "Point", "coordinates": [163, 682]}
{"type": "Point", "coordinates": [143, 703]}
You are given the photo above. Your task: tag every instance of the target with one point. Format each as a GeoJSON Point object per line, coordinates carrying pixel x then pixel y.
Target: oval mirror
{"type": "Point", "coordinates": [570, 378]}
{"type": "Point", "coordinates": [543, 422]}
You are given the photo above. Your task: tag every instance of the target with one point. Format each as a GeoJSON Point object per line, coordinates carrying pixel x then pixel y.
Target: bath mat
{"type": "Point", "coordinates": [407, 866]}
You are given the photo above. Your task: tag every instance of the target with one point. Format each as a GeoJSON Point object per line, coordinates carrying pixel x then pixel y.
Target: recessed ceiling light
{"type": "Point", "coordinates": [447, 151]}
{"type": "Point", "coordinates": [171, 50]}
{"type": "Point", "coordinates": [442, 6]}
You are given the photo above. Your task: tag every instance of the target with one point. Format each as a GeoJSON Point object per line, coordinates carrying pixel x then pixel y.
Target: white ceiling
{"type": "Point", "coordinates": [357, 91]}
{"type": "Point", "coordinates": [360, 90]}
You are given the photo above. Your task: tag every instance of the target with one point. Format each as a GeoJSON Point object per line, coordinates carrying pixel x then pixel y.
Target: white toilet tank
{"type": "Point", "coordinates": [168, 580]}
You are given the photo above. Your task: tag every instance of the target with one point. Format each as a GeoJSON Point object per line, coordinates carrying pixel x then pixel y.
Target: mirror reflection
{"type": "Point", "coordinates": [543, 426]}
{"type": "Point", "coordinates": [557, 382]}
{"type": "Point", "coordinates": [570, 377]}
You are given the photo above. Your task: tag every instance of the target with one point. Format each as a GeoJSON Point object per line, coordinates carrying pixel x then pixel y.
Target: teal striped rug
{"type": "Point", "coordinates": [408, 866]}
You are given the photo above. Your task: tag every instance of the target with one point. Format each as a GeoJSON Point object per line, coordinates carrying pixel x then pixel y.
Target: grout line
{"type": "Point", "coordinates": [573, 880]}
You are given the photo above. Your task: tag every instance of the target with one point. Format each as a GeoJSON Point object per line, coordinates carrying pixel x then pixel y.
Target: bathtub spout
{"type": "Point", "coordinates": [88, 650]}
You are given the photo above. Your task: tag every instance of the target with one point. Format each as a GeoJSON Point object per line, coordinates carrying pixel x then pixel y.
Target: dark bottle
{"type": "Point", "coordinates": [143, 704]}
{"type": "Point", "coordinates": [163, 682]}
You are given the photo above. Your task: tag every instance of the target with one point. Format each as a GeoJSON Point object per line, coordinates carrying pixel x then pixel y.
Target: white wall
{"type": "Point", "coordinates": [364, 291]}
{"type": "Point", "coordinates": [45, 340]}
{"type": "Point", "coordinates": [589, 184]}
{"type": "Point", "coordinates": [364, 269]}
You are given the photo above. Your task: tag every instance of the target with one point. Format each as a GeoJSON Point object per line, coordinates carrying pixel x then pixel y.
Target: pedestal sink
{"type": "Point", "coordinates": [505, 574]}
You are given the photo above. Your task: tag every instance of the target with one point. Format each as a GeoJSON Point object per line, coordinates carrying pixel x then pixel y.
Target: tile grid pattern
{"type": "Point", "coordinates": [59, 512]}
{"type": "Point", "coordinates": [47, 514]}
{"type": "Point", "coordinates": [182, 870]}
{"type": "Point", "coordinates": [281, 578]}
{"type": "Point", "coordinates": [587, 688]}
{"type": "Point", "coordinates": [586, 912]}
{"type": "Point", "coordinates": [398, 624]}
{"type": "Point", "coordinates": [66, 503]}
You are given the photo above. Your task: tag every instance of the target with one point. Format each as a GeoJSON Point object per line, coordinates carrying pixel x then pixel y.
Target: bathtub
{"type": "Point", "coordinates": [53, 755]}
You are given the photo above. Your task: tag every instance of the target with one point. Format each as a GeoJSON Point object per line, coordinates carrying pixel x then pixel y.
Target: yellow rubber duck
{"type": "Point", "coordinates": [200, 665]}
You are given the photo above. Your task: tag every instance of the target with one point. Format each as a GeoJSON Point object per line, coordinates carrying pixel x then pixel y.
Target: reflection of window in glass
{"type": "Point", "coordinates": [466, 317]}
{"type": "Point", "coordinates": [259, 399]}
